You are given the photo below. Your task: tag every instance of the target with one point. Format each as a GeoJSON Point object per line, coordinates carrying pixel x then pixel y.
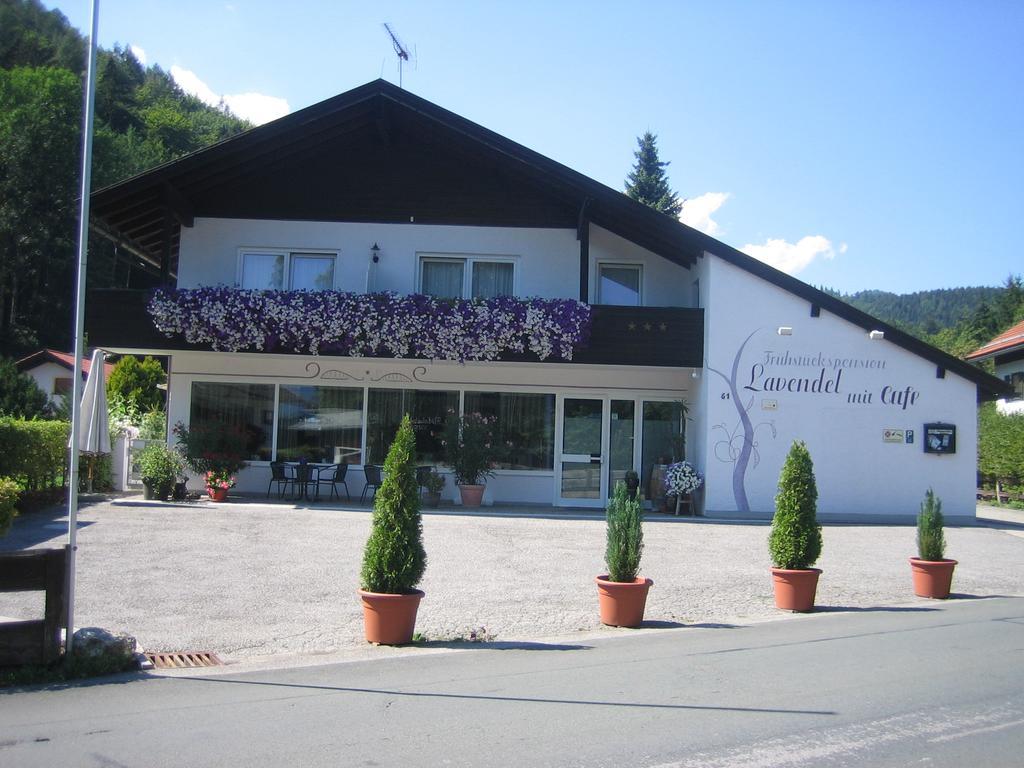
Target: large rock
{"type": "Point", "coordinates": [96, 642]}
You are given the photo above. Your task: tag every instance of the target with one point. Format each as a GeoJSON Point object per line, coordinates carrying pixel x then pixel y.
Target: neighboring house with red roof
{"type": "Point", "coordinates": [1006, 351]}
{"type": "Point", "coordinates": [53, 371]}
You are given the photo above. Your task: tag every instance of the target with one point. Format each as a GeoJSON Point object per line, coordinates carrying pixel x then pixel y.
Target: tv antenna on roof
{"type": "Point", "coordinates": [400, 50]}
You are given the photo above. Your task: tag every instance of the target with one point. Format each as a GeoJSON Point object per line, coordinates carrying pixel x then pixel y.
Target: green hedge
{"type": "Point", "coordinates": [8, 501]}
{"type": "Point", "coordinates": [32, 453]}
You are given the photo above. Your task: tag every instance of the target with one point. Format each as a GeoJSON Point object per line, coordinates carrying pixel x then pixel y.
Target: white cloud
{"type": "Point", "coordinates": [139, 53]}
{"type": "Point", "coordinates": [793, 257]}
{"type": "Point", "coordinates": [697, 212]}
{"type": "Point", "coordinates": [257, 108]}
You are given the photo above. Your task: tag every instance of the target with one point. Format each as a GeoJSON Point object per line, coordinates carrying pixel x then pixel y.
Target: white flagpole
{"type": "Point", "coordinates": [76, 391]}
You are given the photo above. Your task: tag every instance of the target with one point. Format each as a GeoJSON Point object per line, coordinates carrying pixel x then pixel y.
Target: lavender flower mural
{"type": "Point", "coordinates": [371, 325]}
{"type": "Point", "coordinates": [739, 447]}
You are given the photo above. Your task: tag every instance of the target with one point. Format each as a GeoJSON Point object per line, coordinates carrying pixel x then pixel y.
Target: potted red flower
{"type": "Point", "coordinates": [218, 483]}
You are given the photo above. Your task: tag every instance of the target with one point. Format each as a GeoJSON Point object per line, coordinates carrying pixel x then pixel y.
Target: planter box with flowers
{"type": "Point", "coordinates": [371, 325]}
{"type": "Point", "coordinates": [681, 481]}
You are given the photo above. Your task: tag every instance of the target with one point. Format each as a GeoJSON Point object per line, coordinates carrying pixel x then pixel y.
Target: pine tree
{"type": "Point", "coordinates": [647, 182]}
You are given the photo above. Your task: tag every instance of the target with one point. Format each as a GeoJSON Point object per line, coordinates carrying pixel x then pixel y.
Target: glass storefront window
{"type": "Point", "coordinates": [246, 406]}
{"type": "Point", "coordinates": [525, 426]}
{"type": "Point", "coordinates": [320, 424]}
{"type": "Point", "coordinates": [428, 411]}
{"type": "Point", "coordinates": [663, 440]}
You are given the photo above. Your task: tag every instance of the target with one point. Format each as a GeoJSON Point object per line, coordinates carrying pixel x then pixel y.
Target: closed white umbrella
{"type": "Point", "coordinates": [94, 434]}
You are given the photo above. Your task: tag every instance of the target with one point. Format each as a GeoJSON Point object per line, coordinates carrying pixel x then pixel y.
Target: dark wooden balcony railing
{"type": "Point", "coordinates": [656, 336]}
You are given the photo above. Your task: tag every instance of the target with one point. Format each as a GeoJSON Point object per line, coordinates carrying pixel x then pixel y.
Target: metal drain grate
{"type": "Point", "coordinates": [184, 659]}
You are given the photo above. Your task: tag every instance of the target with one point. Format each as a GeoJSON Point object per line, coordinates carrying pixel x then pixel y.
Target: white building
{"type": "Point", "coordinates": [54, 372]}
{"type": "Point", "coordinates": [1006, 351]}
{"type": "Point", "coordinates": [378, 190]}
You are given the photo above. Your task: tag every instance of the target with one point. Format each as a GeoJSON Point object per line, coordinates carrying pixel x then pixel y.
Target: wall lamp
{"type": "Point", "coordinates": [375, 253]}
{"type": "Point", "coordinates": [695, 374]}
{"type": "Point", "coordinates": [876, 335]}
{"type": "Point", "coordinates": [785, 330]}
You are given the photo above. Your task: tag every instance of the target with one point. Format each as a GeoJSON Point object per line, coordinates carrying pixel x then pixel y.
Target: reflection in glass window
{"type": "Point", "coordinates": [619, 284]}
{"type": "Point", "coordinates": [663, 440]}
{"type": "Point", "coordinates": [249, 407]}
{"type": "Point", "coordinates": [311, 272]}
{"type": "Point", "coordinates": [263, 271]}
{"type": "Point", "coordinates": [428, 411]}
{"type": "Point", "coordinates": [525, 426]}
{"type": "Point", "coordinates": [322, 424]}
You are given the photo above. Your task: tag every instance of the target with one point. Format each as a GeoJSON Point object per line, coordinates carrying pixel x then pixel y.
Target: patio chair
{"type": "Point", "coordinates": [279, 474]}
{"type": "Point", "coordinates": [303, 480]}
{"type": "Point", "coordinates": [333, 476]}
{"type": "Point", "coordinates": [372, 472]}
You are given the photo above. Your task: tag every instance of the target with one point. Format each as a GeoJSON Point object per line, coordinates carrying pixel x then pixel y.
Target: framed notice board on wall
{"type": "Point", "coordinates": [940, 438]}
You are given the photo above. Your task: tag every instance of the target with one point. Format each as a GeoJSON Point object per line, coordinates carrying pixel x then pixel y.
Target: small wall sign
{"type": "Point", "coordinates": [910, 436]}
{"type": "Point", "coordinates": [940, 438]}
{"type": "Point", "coordinates": [892, 435]}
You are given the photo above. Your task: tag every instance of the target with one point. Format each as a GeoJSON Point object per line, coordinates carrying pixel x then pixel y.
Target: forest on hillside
{"type": "Point", "coordinates": [143, 119]}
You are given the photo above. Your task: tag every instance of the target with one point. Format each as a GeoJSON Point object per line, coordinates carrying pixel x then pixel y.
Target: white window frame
{"type": "Point", "coordinates": [467, 260]}
{"type": "Point", "coordinates": [637, 265]}
{"type": "Point", "coordinates": [287, 253]}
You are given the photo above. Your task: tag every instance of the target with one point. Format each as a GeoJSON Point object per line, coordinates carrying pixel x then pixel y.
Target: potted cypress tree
{"type": "Point", "coordinates": [795, 539]}
{"type": "Point", "coordinates": [932, 572]}
{"type": "Point", "coordinates": [622, 595]}
{"type": "Point", "coordinates": [394, 558]}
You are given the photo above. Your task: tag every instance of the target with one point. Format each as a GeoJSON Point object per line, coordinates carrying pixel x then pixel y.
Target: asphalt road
{"type": "Point", "coordinates": [939, 684]}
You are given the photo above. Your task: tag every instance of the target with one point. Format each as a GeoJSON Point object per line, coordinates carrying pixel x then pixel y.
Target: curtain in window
{"type": "Point", "coordinates": [312, 272]}
{"type": "Point", "coordinates": [492, 279]}
{"type": "Point", "coordinates": [428, 410]}
{"type": "Point", "coordinates": [263, 271]}
{"type": "Point", "coordinates": [443, 279]}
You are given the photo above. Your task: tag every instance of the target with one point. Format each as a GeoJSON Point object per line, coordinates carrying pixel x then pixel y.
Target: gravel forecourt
{"type": "Point", "coordinates": [250, 580]}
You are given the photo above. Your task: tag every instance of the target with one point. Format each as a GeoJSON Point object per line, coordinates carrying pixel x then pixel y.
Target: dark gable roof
{"type": "Point", "coordinates": [380, 153]}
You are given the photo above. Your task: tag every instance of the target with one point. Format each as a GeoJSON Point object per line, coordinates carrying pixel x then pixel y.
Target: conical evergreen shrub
{"type": "Point", "coordinates": [931, 540]}
{"type": "Point", "coordinates": [625, 536]}
{"type": "Point", "coordinates": [795, 538]}
{"type": "Point", "coordinates": [394, 558]}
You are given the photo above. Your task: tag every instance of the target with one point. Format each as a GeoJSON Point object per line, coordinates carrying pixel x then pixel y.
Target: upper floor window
{"type": "Point", "coordinates": [471, 277]}
{"type": "Point", "coordinates": [619, 284]}
{"type": "Point", "coordinates": [1016, 380]}
{"type": "Point", "coordinates": [287, 270]}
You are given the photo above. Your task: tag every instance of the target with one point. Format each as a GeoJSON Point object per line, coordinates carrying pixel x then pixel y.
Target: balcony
{"type": "Point", "coordinates": [117, 319]}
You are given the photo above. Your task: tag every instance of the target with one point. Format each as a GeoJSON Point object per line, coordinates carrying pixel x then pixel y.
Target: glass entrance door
{"type": "Point", "coordinates": [581, 459]}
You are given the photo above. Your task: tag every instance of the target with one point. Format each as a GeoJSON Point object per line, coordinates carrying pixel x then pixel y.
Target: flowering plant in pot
{"type": "Point", "coordinates": [213, 446]}
{"type": "Point", "coordinates": [795, 539]}
{"type": "Point", "coordinates": [622, 595]}
{"type": "Point", "coordinates": [932, 572]}
{"type": "Point", "coordinates": [218, 482]}
{"type": "Point", "coordinates": [394, 558]}
{"type": "Point", "coordinates": [470, 450]}
{"type": "Point", "coordinates": [681, 479]}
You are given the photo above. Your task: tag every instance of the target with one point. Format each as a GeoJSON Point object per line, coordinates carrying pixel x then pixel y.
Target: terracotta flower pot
{"type": "Point", "coordinates": [472, 495]}
{"type": "Point", "coordinates": [932, 578]}
{"type": "Point", "coordinates": [795, 588]}
{"type": "Point", "coordinates": [390, 619]}
{"type": "Point", "coordinates": [218, 494]}
{"type": "Point", "coordinates": [622, 603]}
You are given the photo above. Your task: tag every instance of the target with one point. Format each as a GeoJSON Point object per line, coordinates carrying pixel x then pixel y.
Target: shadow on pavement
{"type": "Point", "coordinates": [872, 609]}
{"type": "Point", "coordinates": [501, 645]}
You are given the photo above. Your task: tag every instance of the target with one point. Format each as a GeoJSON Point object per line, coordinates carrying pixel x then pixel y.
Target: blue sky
{"type": "Point", "coordinates": [854, 144]}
